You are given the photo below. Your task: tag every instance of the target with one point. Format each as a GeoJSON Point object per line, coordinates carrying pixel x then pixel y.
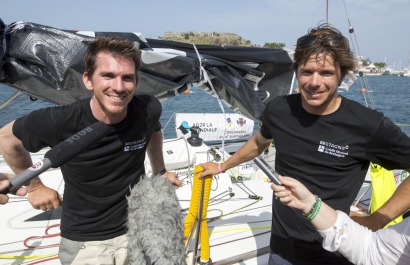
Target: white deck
{"type": "Point", "coordinates": [239, 226]}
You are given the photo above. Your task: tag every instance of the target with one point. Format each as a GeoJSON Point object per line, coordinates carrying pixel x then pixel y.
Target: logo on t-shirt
{"type": "Point", "coordinates": [135, 145]}
{"type": "Point", "coordinates": [333, 149]}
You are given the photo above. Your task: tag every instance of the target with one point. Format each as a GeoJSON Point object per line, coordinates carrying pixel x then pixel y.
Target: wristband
{"type": "Point", "coordinates": [220, 168]}
{"type": "Point", "coordinates": [315, 209]}
{"type": "Point", "coordinates": [162, 172]}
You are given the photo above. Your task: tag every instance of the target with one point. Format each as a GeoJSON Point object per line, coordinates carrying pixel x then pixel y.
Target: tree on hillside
{"type": "Point", "coordinates": [274, 45]}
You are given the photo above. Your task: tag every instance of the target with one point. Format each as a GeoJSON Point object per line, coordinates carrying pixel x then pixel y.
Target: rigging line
{"type": "Point", "coordinates": [237, 211]}
{"type": "Point", "coordinates": [220, 197]}
{"type": "Point", "coordinates": [367, 94]}
{"type": "Point", "coordinates": [351, 30]}
{"type": "Point", "coordinates": [173, 114]}
{"type": "Point", "coordinates": [204, 74]}
{"type": "Point", "coordinates": [248, 191]}
{"type": "Point", "coordinates": [7, 101]}
{"type": "Point", "coordinates": [46, 235]}
{"type": "Point", "coordinates": [255, 208]}
{"type": "Point", "coordinates": [190, 171]}
{"type": "Point", "coordinates": [233, 211]}
{"type": "Point", "coordinates": [43, 260]}
{"type": "Point", "coordinates": [15, 103]}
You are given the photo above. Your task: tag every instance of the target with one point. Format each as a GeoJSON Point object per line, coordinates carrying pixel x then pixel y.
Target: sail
{"type": "Point", "coordinates": [47, 63]}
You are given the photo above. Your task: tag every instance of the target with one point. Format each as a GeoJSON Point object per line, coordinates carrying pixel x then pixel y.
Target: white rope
{"type": "Point", "coordinates": [205, 78]}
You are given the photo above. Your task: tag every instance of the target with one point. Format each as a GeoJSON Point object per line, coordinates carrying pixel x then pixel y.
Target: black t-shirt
{"type": "Point", "coordinates": [98, 180]}
{"type": "Point", "coordinates": [330, 154]}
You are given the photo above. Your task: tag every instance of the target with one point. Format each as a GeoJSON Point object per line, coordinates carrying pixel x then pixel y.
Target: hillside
{"type": "Point", "coordinates": [215, 38]}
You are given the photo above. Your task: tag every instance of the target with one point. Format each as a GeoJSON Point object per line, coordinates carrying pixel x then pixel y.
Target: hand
{"type": "Point", "coordinates": [173, 178]}
{"type": "Point", "coordinates": [210, 169]}
{"type": "Point", "coordinates": [294, 194]}
{"type": "Point", "coordinates": [4, 184]}
{"type": "Point", "coordinates": [44, 198]}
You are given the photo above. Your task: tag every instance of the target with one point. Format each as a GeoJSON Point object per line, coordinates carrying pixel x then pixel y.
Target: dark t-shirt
{"type": "Point", "coordinates": [330, 154]}
{"type": "Point", "coordinates": [98, 180]}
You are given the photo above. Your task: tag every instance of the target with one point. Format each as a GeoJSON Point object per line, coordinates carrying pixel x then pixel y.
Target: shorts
{"type": "Point", "coordinates": [104, 252]}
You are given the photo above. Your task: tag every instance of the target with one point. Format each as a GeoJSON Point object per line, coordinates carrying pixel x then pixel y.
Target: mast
{"type": "Point", "coordinates": [362, 77]}
{"type": "Point", "coordinates": [327, 11]}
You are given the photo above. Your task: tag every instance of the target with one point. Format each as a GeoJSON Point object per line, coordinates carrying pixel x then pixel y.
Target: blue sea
{"type": "Point", "coordinates": [389, 94]}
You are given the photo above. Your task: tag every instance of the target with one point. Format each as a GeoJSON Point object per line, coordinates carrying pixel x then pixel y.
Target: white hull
{"type": "Point", "coordinates": [239, 226]}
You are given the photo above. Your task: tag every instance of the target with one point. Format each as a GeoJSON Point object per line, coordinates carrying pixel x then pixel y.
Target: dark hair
{"type": "Point", "coordinates": [115, 46]}
{"type": "Point", "coordinates": [324, 40]}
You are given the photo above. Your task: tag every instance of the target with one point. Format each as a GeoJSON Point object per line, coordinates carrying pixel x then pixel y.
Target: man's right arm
{"type": "Point", "coordinates": [19, 159]}
{"type": "Point", "coordinates": [13, 151]}
{"type": "Point", "coordinates": [251, 149]}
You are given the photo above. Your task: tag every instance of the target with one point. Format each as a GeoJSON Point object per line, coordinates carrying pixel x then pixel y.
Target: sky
{"type": "Point", "coordinates": [381, 28]}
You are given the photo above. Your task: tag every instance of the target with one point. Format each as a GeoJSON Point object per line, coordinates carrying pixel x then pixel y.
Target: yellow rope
{"type": "Point", "coordinates": [193, 211]}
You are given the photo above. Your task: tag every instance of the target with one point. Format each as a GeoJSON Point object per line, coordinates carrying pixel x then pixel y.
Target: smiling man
{"type": "Point", "coordinates": [98, 180]}
{"type": "Point", "coordinates": [325, 141]}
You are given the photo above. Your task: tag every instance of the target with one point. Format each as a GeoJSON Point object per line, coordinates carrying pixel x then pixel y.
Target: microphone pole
{"type": "Point", "coordinates": [60, 154]}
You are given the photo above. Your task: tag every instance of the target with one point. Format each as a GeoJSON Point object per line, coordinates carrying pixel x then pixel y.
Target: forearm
{"type": "Point", "coordinates": [325, 218]}
{"type": "Point", "coordinates": [13, 151]}
{"type": "Point", "coordinates": [15, 155]}
{"type": "Point", "coordinates": [322, 219]}
{"type": "Point", "coordinates": [397, 205]}
{"type": "Point", "coordinates": [154, 152]}
{"type": "Point", "coordinates": [251, 149]}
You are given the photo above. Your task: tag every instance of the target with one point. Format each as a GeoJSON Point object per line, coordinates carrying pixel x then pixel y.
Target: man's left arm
{"type": "Point", "coordinates": [156, 158]}
{"type": "Point", "coordinates": [397, 205]}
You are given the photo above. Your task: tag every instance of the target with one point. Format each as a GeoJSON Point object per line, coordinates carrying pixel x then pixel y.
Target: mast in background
{"type": "Point", "coordinates": [367, 92]}
{"type": "Point", "coordinates": [327, 11]}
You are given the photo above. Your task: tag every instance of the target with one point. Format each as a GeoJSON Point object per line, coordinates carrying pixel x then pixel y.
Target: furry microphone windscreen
{"type": "Point", "coordinates": [155, 223]}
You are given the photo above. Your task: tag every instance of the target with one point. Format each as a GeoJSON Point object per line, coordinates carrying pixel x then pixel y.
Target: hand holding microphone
{"type": "Point", "coordinates": [4, 184]}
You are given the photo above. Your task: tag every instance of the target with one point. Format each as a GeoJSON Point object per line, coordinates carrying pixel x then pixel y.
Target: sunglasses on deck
{"type": "Point", "coordinates": [327, 40]}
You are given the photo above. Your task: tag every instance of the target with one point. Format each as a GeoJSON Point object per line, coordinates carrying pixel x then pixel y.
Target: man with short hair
{"type": "Point", "coordinates": [98, 180]}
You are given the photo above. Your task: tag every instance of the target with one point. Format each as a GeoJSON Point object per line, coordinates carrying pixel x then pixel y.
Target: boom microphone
{"type": "Point", "coordinates": [60, 154]}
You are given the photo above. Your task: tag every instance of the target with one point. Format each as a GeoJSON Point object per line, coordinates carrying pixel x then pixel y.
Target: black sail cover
{"type": "Point", "coordinates": [47, 63]}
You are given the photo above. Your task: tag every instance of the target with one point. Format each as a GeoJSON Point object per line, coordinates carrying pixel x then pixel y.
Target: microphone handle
{"type": "Point", "coordinates": [25, 176]}
{"type": "Point", "coordinates": [268, 170]}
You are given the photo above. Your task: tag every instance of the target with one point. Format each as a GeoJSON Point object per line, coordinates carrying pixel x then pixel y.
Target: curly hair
{"type": "Point", "coordinates": [324, 40]}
